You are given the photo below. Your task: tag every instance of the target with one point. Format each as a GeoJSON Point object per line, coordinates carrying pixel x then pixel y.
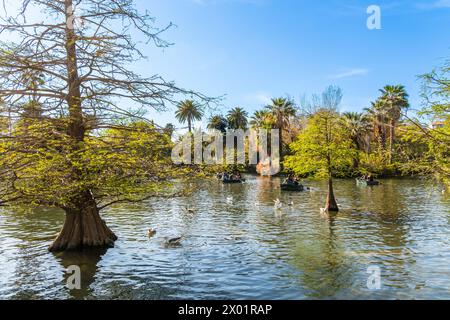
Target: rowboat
{"type": "Point", "coordinates": [292, 187]}
{"type": "Point", "coordinates": [364, 182]}
{"type": "Point", "coordinates": [232, 181]}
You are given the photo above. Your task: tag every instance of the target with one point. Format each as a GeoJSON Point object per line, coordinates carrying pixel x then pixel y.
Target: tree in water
{"type": "Point", "coordinates": [324, 149]}
{"type": "Point", "coordinates": [83, 151]}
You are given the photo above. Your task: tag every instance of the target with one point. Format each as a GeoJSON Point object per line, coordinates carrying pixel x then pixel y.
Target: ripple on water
{"type": "Point", "coordinates": [243, 249]}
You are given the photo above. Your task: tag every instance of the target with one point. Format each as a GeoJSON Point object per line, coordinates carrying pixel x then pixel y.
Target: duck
{"type": "Point", "coordinates": [173, 242]}
{"type": "Point", "coordinates": [151, 233]}
{"type": "Point", "coordinates": [190, 210]}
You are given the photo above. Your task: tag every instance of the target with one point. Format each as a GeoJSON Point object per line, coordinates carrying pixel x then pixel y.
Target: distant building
{"type": "Point", "coordinates": [437, 125]}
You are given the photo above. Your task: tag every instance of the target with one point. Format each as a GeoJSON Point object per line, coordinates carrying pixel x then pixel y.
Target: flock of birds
{"type": "Point", "coordinates": [177, 241]}
{"type": "Point", "coordinates": [278, 206]}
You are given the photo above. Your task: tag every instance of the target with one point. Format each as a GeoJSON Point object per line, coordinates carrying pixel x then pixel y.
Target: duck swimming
{"type": "Point", "coordinates": [173, 242]}
{"type": "Point", "coordinates": [151, 233]}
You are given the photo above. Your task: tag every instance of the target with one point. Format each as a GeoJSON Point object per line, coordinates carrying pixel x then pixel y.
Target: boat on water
{"type": "Point", "coordinates": [365, 182]}
{"type": "Point", "coordinates": [292, 187]}
{"type": "Point", "coordinates": [232, 181]}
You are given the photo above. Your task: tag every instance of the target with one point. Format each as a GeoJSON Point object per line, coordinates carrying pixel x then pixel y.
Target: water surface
{"type": "Point", "coordinates": [243, 249]}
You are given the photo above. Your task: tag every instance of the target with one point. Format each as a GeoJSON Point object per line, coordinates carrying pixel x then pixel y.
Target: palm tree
{"type": "Point", "coordinates": [218, 123]}
{"type": "Point", "coordinates": [282, 110]}
{"type": "Point", "coordinates": [378, 116]}
{"type": "Point", "coordinates": [394, 99]}
{"type": "Point", "coordinates": [169, 129]}
{"type": "Point", "coordinates": [188, 111]}
{"type": "Point", "coordinates": [261, 119]}
{"type": "Point", "coordinates": [237, 119]}
{"type": "Point", "coordinates": [358, 127]}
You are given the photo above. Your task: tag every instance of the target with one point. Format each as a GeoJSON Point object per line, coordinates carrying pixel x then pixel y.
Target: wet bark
{"type": "Point", "coordinates": [83, 228]}
{"type": "Point", "coordinates": [331, 205]}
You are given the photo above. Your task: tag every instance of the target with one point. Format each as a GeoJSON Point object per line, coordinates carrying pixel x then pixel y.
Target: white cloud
{"type": "Point", "coordinates": [439, 4]}
{"type": "Point", "coordinates": [348, 73]}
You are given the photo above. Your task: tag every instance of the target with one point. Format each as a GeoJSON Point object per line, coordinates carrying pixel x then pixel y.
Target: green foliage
{"type": "Point", "coordinates": [323, 149]}
{"type": "Point", "coordinates": [188, 112]}
{"type": "Point", "coordinates": [218, 123]}
{"type": "Point", "coordinates": [237, 119]}
{"type": "Point", "coordinates": [126, 163]}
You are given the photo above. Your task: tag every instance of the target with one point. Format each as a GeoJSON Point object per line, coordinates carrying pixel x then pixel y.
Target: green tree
{"type": "Point", "coordinates": [377, 114]}
{"type": "Point", "coordinates": [358, 127]}
{"type": "Point", "coordinates": [169, 129]}
{"type": "Point", "coordinates": [188, 111]}
{"type": "Point", "coordinates": [322, 150]}
{"type": "Point", "coordinates": [437, 110]}
{"type": "Point", "coordinates": [394, 99]}
{"type": "Point", "coordinates": [78, 157]}
{"type": "Point", "coordinates": [262, 119]}
{"type": "Point", "coordinates": [281, 110]}
{"type": "Point", "coordinates": [218, 123]}
{"type": "Point", "coordinates": [237, 118]}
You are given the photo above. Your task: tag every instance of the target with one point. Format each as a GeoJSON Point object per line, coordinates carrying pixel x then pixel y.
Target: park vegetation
{"type": "Point", "coordinates": [74, 132]}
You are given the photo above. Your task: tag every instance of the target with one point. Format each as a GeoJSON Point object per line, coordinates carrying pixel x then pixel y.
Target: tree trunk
{"type": "Point", "coordinates": [331, 200]}
{"type": "Point", "coordinates": [391, 140]}
{"type": "Point", "coordinates": [83, 228]}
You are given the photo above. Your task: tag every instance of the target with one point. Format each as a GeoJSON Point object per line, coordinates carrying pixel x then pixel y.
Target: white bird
{"type": "Point", "coordinates": [291, 203]}
{"type": "Point", "coordinates": [278, 204]}
{"type": "Point", "coordinates": [230, 200]}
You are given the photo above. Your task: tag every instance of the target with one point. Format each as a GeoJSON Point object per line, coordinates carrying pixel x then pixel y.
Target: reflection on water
{"type": "Point", "coordinates": [87, 261]}
{"type": "Point", "coordinates": [244, 249]}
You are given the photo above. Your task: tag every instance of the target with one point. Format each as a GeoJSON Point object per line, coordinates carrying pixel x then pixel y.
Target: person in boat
{"type": "Point", "coordinates": [370, 178]}
{"type": "Point", "coordinates": [225, 176]}
{"type": "Point", "coordinates": [289, 180]}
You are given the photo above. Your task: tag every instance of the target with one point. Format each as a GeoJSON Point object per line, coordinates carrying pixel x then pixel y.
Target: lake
{"type": "Point", "coordinates": [236, 246]}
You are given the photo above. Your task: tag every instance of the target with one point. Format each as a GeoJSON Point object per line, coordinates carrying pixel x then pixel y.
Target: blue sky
{"type": "Point", "coordinates": [252, 50]}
